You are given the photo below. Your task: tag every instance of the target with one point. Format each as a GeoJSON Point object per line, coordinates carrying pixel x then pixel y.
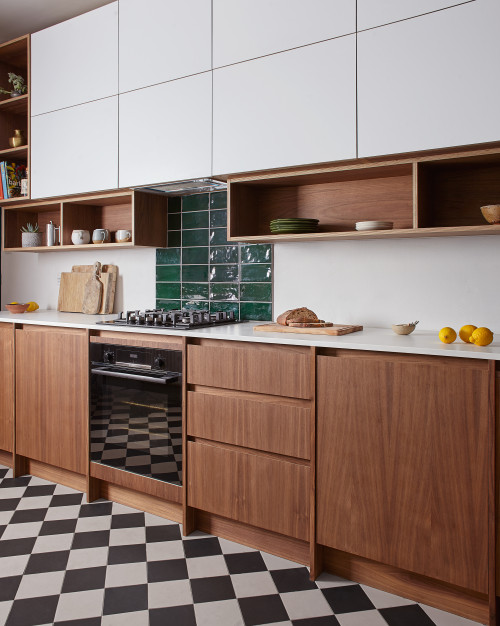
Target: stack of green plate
{"type": "Point", "coordinates": [294, 225]}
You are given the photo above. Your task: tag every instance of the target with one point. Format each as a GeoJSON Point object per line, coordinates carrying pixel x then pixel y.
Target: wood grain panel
{"type": "Point", "coordinates": [263, 369]}
{"type": "Point", "coordinates": [52, 396]}
{"type": "Point", "coordinates": [150, 219]}
{"type": "Point", "coordinates": [251, 488]}
{"type": "Point", "coordinates": [402, 466]}
{"type": "Point", "coordinates": [274, 425]}
{"type": "Point", "coordinates": [141, 340]}
{"type": "Point", "coordinates": [5, 458]}
{"type": "Point", "coordinates": [7, 394]}
{"type": "Point", "coordinates": [141, 501]}
{"type": "Point", "coordinates": [55, 474]}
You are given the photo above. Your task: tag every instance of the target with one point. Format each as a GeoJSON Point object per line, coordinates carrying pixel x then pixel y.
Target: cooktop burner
{"type": "Point", "coordinates": [181, 319]}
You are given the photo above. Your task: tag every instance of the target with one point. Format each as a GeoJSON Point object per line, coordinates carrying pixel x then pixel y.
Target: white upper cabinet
{"type": "Point", "coordinates": [75, 150]}
{"type": "Point", "coordinates": [428, 82]}
{"type": "Point", "coordinates": [246, 29]}
{"type": "Point", "coordinates": [75, 61]}
{"type": "Point", "coordinates": [373, 13]}
{"type": "Point", "coordinates": [163, 39]}
{"type": "Point", "coordinates": [291, 108]}
{"type": "Point", "coordinates": [165, 131]}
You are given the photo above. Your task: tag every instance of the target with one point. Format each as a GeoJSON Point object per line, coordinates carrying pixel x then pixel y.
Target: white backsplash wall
{"type": "Point", "coordinates": [441, 281]}
{"type": "Point", "coordinates": [28, 276]}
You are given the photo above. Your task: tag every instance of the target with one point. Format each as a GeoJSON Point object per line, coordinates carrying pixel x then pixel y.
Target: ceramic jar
{"type": "Point", "coordinates": [100, 235]}
{"type": "Point", "coordinates": [79, 237]}
{"type": "Point", "coordinates": [18, 139]}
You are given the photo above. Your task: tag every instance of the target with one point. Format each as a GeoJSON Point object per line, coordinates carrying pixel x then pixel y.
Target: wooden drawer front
{"type": "Point", "coordinates": [250, 488]}
{"type": "Point", "coordinates": [261, 369]}
{"type": "Point", "coordinates": [272, 425]}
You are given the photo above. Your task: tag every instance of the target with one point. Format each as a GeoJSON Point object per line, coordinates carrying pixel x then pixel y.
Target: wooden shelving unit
{"type": "Point", "coordinates": [429, 195]}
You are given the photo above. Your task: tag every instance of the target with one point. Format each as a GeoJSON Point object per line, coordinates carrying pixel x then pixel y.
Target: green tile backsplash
{"type": "Point", "coordinates": [200, 269]}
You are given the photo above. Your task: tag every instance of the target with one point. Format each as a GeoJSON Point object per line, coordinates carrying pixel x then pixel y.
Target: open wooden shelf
{"type": "Point", "coordinates": [17, 105]}
{"type": "Point", "coordinates": [429, 195]}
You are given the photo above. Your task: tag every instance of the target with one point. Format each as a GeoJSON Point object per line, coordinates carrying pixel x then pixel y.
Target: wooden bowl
{"type": "Point", "coordinates": [491, 213]}
{"type": "Point", "coordinates": [16, 308]}
{"type": "Point", "coordinates": [403, 329]}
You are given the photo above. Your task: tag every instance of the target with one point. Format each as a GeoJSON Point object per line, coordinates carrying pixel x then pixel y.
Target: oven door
{"type": "Point", "coordinates": [136, 421]}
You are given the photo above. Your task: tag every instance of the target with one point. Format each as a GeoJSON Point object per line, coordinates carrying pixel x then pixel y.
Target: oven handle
{"type": "Point", "coordinates": [150, 379]}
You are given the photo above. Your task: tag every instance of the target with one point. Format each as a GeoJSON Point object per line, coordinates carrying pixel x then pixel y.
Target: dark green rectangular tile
{"type": "Point", "coordinates": [168, 256]}
{"type": "Point", "coordinates": [224, 274]}
{"type": "Point", "coordinates": [168, 291]}
{"type": "Point", "coordinates": [194, 273]}
{"type": "Point", "coordinates": [196, 202]}
{"type": "Point", "coordinates": [256, 311]}
{"type": "Point", "coordinates": [226, 306]}
{"type": "Point", "coordinates": [191, 256]}
{"type": "Point", "coordinates": [174, 221]}
{"type": "Point", "coordinates": [218, 218]}
{"type": "Point", "coordinates": [195, 291]}
{"type": "Point", "coordinates": [198, 237]}
{"type": "Point", "coordinates": [218, 200]}
{"type": "Point", "coordinates": [256, 273]}
{"type": "Point", "coordinates": [224, 291]}
{"type": "Point", "coordinates": [218, 236]}
{"type": "Point", "coordinates": [174, 204]}
{"type": "Point", "coordinates": [171, 273]}
{"type": "Point", "coordinates": [224, 254]}
{"type": "Point", "coordinates": [196, 219]}
{"type": "Point", "coordinates": [256, 253]}
{"type": "Point", "coordinates": [174, 238]}
{"type": "Point", "coordinates": [168, 304]}
{"type": "Point", "coordinates": [256, 292]}
{"type": "Point", "coordinates": [195, 305]}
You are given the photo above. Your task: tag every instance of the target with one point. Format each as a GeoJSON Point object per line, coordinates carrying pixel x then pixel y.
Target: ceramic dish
{"type": "Point", "coordinates": [491, 213]}
{"type": "Point", "coordinates": [15, 309]}
{"type": "Point", "coordinates": [374, 225]}
{"type": "Point", "coordinates": [404, 329]}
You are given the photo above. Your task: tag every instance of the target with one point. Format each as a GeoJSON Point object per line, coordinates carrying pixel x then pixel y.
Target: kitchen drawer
{"type": "Point", "coordinates": [268, 424]}
{"type": "Point", "coordinates": [275, 370]}
{"type": "Point", "coordinates": [249, 487]}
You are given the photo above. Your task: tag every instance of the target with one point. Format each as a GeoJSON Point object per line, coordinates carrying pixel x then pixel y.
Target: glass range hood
{"type": "Point", "coordinates": [188, 187]}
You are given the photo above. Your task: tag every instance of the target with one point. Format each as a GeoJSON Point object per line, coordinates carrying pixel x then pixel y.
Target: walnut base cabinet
{"type": "Point", "coordinates": [7, 394]}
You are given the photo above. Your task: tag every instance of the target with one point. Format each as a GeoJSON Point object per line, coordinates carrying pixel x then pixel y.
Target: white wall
{"type": "Point", "coordinates": [443, 281]}
{"type": "Point", "coordinates": [27, 276]}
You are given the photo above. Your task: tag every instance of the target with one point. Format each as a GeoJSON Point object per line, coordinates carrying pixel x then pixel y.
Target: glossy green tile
{"type": "Point", "coordinates": [224, 254]}
{"type": "Point", "coordinates": [168, 256]}
{"type": "Point", "coordinates": [168, 304]}
{"type": "Point", "coordinates": [195, 305]}
{"type": "Point", "coordinates": [226, 306]}
{"type": "Point", "coordinates": [196, 219]}
{"type": "Point", "coordinates": [194, 273]}
{"type": "Point", "coordinates": [195, 291]}
{"type": "Point", "coordinates": [224, 291]}
{"type": "Point", "coordinates": [256, 273]}
{"type": "Point", "coordinates": [171, 273]}
{"type": "Point", "coordinates": [256, 292]}
{"type": "Point", "coordinates": [224, 273]}
{"type": "Point", "coordinates": [218, 218]}
{"type": "Point", "coordinates": [196, 202]}
{"type": "Point", "coordinates": [256, 311]}
{"type": "Point", "coordinates": [198, 237]}
{"type": "Point", "coordinates": [174, 238]}
{"type": "Point", "coordinates": [174, 221]}
{"type": "Point", "coordinates": [218, 200]}
{"type": "Point", "coordinates": [218, 236]}
{"type": "Point", "coordinates": [168, 291]}
{"type": "Point", "coordinates": [174, 204]}
{"type": "Point", "coordinates": [191, 256]}
{"type": "Point", "coordinates": [256, 253]}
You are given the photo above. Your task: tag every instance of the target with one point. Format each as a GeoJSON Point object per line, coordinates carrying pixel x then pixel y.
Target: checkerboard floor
{"type": "Point", "coordinates": [63, 561]}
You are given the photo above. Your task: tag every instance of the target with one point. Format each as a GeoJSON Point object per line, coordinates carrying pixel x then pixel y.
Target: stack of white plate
{"type": "Point", "coordinates": [374, 225]}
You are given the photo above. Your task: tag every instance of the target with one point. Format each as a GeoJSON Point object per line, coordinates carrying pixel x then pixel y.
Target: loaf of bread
{"type": "Point", "coordinates": [301, 315]}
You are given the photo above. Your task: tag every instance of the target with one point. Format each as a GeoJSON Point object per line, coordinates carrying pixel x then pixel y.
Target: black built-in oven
{"type": "Point", "coordinates": [136, 410]}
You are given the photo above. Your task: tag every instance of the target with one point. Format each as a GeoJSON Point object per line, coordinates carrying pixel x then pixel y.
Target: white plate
{"type": "Point", "coordinates": [374, 225]}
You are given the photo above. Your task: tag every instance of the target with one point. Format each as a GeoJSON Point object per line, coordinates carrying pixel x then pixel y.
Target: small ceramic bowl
{"type": "Point", "coordinates": [404, 329]}
{"type": "Point", "coordinates": [16, 308]}
{"type": "Point", "coordinates": [491, 213]}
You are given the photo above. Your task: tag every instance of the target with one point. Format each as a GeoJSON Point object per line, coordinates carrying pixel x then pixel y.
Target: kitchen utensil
{"type": "Point", "coordinates": [50, 232]}
{"type": "Point", "coordinates": [374, 225]}
{"type": "Point", "coordinates": [100, 235]}
{"type": "Point", "coordinates": [92, 294]}
{"type": "Point", "coordinates": [404, 329]}
{"type": "Point", "coordinates": [491, 213]}
{"type": "Point", "coordinates": [79, 237]}
{"type": "Point", "coordinates": [121, 236]}
{"type": "Point", "coordinates": [72, 287]}
{"type": "Point", "coordinates": [16, 308]}
{"type": "Point", "coordinates": [335, 329]}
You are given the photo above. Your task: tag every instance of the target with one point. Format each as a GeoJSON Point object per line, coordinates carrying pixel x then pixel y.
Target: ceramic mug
{"type": "Point", "coordinates": [79, 237]}
{"type": "Point", "coordinates": [100, 235]}
{"type": "Point", "coordinates": [121, 236]}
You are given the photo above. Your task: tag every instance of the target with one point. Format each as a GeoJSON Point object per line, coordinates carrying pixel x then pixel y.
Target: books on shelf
{"type": "Point", "coordinates": [12, 174]}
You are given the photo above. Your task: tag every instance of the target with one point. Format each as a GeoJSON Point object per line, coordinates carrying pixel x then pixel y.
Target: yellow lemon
{"type": "Point", "coordinates": [466, 331]}
{"type": "Point", "coordinates": [481, 336]}
{"type": "Point", "coordinates": [13, 302]}
{"type": "Point", "coordinates": [447, 335]}
{"type": "Point", "coordinates": [32, 306]}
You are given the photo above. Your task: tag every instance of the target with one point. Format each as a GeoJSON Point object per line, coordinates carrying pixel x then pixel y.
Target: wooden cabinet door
{"type": "Point", "coordinates": [289, 108]}
{"type": "Point", "coordinates": [246, 29]}
{"type": "Point", "coordinates": [7, 394]}
{"type": "Point", "coordinates": [402, 463]}
{"type": "Point", "coordinates": [426, 83]}
{"type": "Point", "coordinates": [163, 40]}
{"type": "Point", "coordinates": [75, 150]}
{"type": "Point", "coordinates": [52, 396]}
{"type": "Point", "coordinates": [166, 131]}
{"type": "Point", "coordinates": [372, 13]}
{"type": "Point", "coordinates": [74, 62]}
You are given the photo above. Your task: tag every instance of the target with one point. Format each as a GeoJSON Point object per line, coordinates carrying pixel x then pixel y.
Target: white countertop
{"type": "Point", "coordinates": [377, 339]}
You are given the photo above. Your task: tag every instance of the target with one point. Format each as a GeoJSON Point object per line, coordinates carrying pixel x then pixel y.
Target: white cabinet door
{"type": "Point", "coordinates": [165, 131]}
{"type": "Point", "coordinates": [427, 82]}
{"type": "Point", "coordinates": [75, 61]}
{"type": "Point", "coordinates": [163, 39]}
{"type": "Point", "coordinates": [373, 13]}
{"type": "Point", "coordinates": [246, 29]}
{"type": "Point", "coordinates": [291, 108]}
{"type": "Point", "coordinates": [75, 150]}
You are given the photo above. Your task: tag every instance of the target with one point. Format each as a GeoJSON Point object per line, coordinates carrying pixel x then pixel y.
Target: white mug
{"type": "Point", "coordinates": [121, 236]}
{"type": "Point", "coordinates": [79, 237]}
{"type": "Point", "coordinates": [100, 235]}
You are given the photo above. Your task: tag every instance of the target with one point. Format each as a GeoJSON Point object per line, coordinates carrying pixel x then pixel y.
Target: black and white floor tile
{"type": "Point", "coordinates": [63, 561]}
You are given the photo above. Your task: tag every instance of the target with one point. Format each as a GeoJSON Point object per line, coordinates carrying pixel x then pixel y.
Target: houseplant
{"type": "Point", "coordinates": [18, 84]}
{"type": "Point", "coordinates": [31, 236]}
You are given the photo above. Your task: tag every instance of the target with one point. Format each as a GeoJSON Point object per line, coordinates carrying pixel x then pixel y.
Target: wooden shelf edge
{"type": "Point", "coordinates": [21, 151]}
{"type": "Point", "coordinates": [87, 246]}
{"type": "Point", "coordinates": [17, 105]}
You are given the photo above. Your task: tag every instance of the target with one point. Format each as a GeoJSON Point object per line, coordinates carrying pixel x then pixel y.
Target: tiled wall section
{"type": "Point", "coordinates": [200, 269]}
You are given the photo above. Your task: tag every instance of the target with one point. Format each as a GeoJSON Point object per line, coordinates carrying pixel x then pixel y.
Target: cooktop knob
{"type": "Point", "coordinates": [159, 362]}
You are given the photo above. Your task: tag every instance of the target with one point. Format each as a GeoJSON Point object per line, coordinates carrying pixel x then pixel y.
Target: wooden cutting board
{"type": "Point", "coordinates": [336, 329]}
{"type": "Point", "coordinates": [72, 288]}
